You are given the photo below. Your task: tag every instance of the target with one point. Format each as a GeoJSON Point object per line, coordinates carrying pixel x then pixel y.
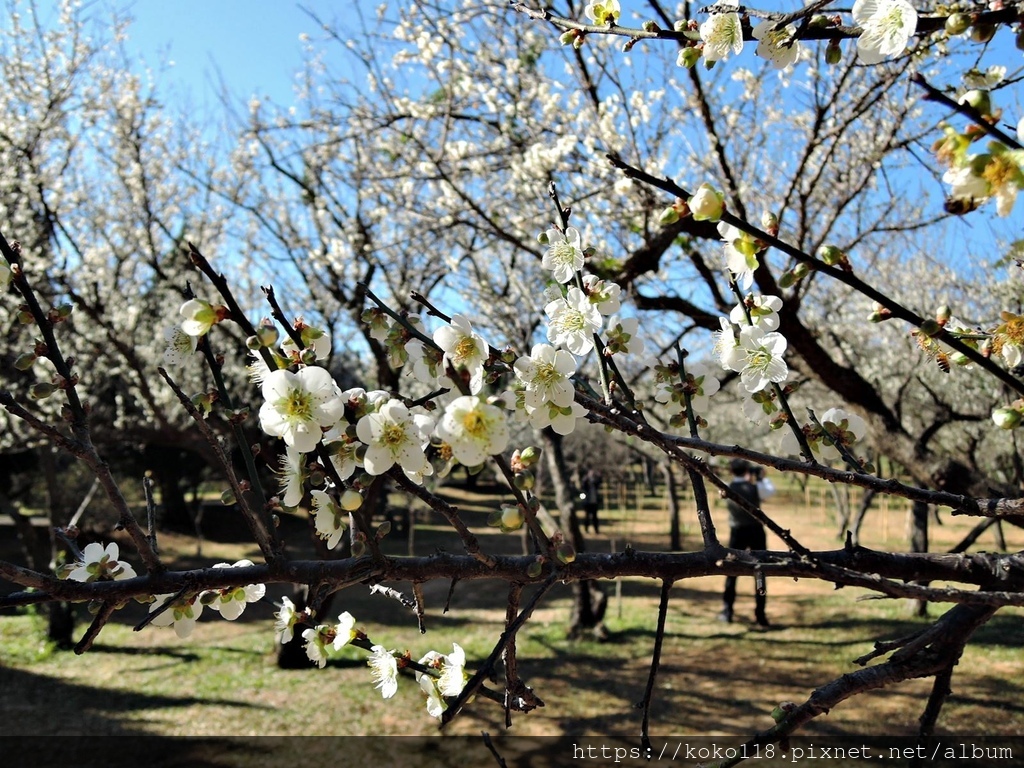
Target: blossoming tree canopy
{"type": "Point", "coordinates": [564, 317]}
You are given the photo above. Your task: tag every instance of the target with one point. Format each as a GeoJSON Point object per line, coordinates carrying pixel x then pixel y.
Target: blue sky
{"type": "Point", "coordinates": [252, 44]}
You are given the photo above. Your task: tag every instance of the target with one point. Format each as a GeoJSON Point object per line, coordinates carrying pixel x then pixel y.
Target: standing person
{"type": "Point", "coordinates": [590, 494]}
{"type": "Point", "coordinates": [744, 533]}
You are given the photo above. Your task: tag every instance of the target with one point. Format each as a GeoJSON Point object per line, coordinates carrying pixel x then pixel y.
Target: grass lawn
{"type": "Point", "coordinates": [714, 679]}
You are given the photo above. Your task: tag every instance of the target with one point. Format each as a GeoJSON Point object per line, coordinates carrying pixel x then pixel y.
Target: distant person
{"type": "Point", "coordinates": [590, 495]}
{"type": "Point", "coordinates": [744, 533]}
{"type": "Point", "coordinates": [765, 487]}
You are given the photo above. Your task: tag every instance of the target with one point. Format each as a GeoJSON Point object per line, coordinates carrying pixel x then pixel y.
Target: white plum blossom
{"type": "Point", "coordinates": [463, 349]}
{"type": "Point", "coordinates": [285, 620]}
{"type": "Point", "coordinates": [292, 472]}
{"type": "Point", "coordinates": [562, 420]}
{"type": "Point", "coordinates": [199, 316]}
{"type": "Point", "coordinates": [886, 28]}
{"type": "Point", "coordinates": [393, 435]}
{"type": "Point", "coordinates": [602, 11]}
{"type": "Point", "coordinates": [231, 601]}
{"type": "Point", "coordinates": [840, 426]}
{"type": "Point", "coordinates": [764, 312]}
{"type": "Point", "coordinates": [180, 346]}
{"type": "Point", "coordinates": [329, 518]}
{"type": "Point", "coordinates": [603, 294]}
{"type": "Point", "coordinates": [453, 672]}
{"type": "Point", "coordinates": [474, 429]}
{"type": "Point", "coordinates": [436, 705]}
{"type": "Point", "coordinates": [545, 375]}
{"type": "Point", "coordinates": [573, 321]}
{"type": "Point", "coordinates": [722, 33]}
{"type": "Point", "coordinates": [779, 46]}
{"type": "Point", "coordinates": [317, 639]}
{"type": "Point", "coordinates": [975, 78]}
{"type": "Point", "coordinates": [183, 614]}
{"type": "Point", "coordinates": [758, 358]}
{"type": "Point", "coordinates": [740, 252]}
{"type": "Point", "coordinates": [99, 563]}
{"type": "Point", "coordinates": [298, 405]}
{"type": "Point", "coordinates": [319, 342]}
{"type": "Point", "coordinates": [623, 337]}
{"type": "Point", "coordinates": [564, 254]}
{"type": "Point", "coordinates": [345, 631]}
{"type": "Point", "coordinates": [384, 670]}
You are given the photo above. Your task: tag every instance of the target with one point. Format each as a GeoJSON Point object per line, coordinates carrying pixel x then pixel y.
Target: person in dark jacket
{"type": "Point", "coordinates": [590, 495]}
{"type": "Point", "coordinates": [744, 533]}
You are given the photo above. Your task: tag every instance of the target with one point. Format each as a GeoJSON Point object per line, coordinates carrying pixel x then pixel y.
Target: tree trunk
{"type": "Point", "coordinates": [60, 615]}
{"type": "Point", "coordinates": [675, 534]}
{"type": "Point", "coordinates": [589, 600]}
{"type": "Point", "coordinates": [918, 535]}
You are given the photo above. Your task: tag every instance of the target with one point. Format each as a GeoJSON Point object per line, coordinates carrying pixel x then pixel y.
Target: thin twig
{"type": "Point", "coordinates": [659, 638]}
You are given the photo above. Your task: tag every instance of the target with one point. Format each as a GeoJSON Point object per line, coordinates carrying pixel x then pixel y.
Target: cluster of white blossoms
{"type": "Point", "coordinates": [438, 675]}
{"type": "Point", "coordinates": [184, 610]}
{"type": "Point", "coordinates": [886, 28]}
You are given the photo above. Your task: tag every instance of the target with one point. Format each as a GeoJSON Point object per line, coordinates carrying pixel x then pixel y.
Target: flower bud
{"type": "Point", "coordinates": [782, 711]}
{"type": "Point", "coordinates": [351, 500]}
{"type": "Point", "coordinates": [227, 497]}
{"type": "Point", "coordinates": [41, 390]}
{"type": "Point", "coordinates": [669, 216]}
{"type": "Point", "coordinates": [1006, 418]}
{"type": "Point", "coordinates": [26, 361]}
{"type": "Point", "coordinates": [978, 99]}
{"type": "Point", "coordinates": [568, 37]}
{"type": "Point", "coordinates": [931, 328]}
{"type": "Point", "coordinates": [788, 279]}
{"type": "Point", "coordinates": [830, 254]}
{"type": "Point", "coordinates": [957, 24]}
{"type": "Point", "coordinates": [534, 569]}
{"type": "Point", "coordinates": [525, 481]}
{"type": "Point", "coordinates": [542, 238]}
{"type": "Point", "coordinates": [529, 456]}
{"type": "Point", "coordinates": [267, 333]}
{"type": "Point", "coordinates": [770, 222]}
{"type": "Point", "coordinates": [688, 57]}
{"type": "Point", "coordinates": [252, 343]}
{"type": "Point", "coordinates": [650, 26]}
{"type": "Point", "coordinates": [833, 53]}
{"type": "Point", "coordinates": [982, 33]}
{"type": "Point", "coordinates": [383, 530]}
{"type": "Point", "coordinates": [565, 552]}
{"type": "Point", "coordinates": [942, 315]}
{"type": "Point", "coordinates": [801, 270]}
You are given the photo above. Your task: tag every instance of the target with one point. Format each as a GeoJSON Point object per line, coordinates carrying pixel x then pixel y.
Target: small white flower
{"type": "Point", "coordinates": [623, 337]}
{"type": "Point", "coordinates": [436, 705]}
{"type": "Point", "coordinates": [842, 427]}
{"type": "Point", "coordinates": [453, 672]}
{"type": "Point", "coordinates": [722, 33]}
{"type": "Point", "coordinates": [100, 563]}
{"type": "Point", "coordinates": [384, 669]}
{"type": "Point", "coordinates": [573, 321]}
{"type": "Point", "coordinates": [199, 316]}
{"type": "Point", "coordinates": [292, 472]}
{"type": "Point", "coordinates": [779, 46]}
{"type": "Point", "coordinates": [545, 374]}
{"type": "Point", "coordinates": [740, 252]}
{"type": "Point", "coordinates": [317, 639]}
{"type": "Point", "coordinates": [463, 348]}
{"type": "Point", "coordinates": [603, 294]}
{"type": "Point", "coordinates": [473, 429]}
{"type": "Point", "coordinates": [319, 341]}
{"type": "Point", "coordinates": [329, 518]}
{"type": "Point", "coordinates": [764, 312]}
{"type": "Point", "coordinates": [975, 78]}
{"type": "Point", "coordinates": [758, 358]}
{"type": "Point", "coordinates": [298, 405]}
{"type": "Point", "coordinates": [564, 255]}
{"type": "Point", "coordinates": [285, 620]}
{"type": "Point", "coordinates": [345, 631]}
{"type": "Point", "coordinates": [180, 346]}
{"type": "Point", "coordinates": [231, 601]}
{"type": "Point", "coordinates": [602, 11]}
{"type": "Point", "coordinates": [562, 420]}
{"type": "Point", "coordinates": [886, 28]}
{"type": "Point", "coordinates": [183, 614]}
{"type": "Point", "coordinates": [393, 436]}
